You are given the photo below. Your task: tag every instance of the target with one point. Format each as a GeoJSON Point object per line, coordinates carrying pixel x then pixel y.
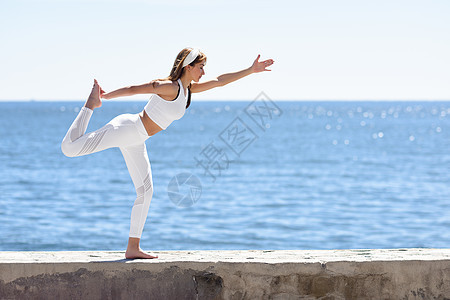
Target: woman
{"type": "Point", "coordinates": [171, 96]}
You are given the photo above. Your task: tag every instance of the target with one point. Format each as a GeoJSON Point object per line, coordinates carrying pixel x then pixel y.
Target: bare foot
{"type": "Point", "coordinates": [130, 254]}
{"type": "Point", "coordinates": [94, 100]}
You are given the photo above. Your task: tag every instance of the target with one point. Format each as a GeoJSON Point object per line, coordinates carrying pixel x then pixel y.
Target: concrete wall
{"type": "Point", "coordinates": [280, 274]}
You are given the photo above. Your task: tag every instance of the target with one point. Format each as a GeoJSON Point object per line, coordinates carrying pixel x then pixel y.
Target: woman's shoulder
{"type": "Point", "coordinates": [165, 86]}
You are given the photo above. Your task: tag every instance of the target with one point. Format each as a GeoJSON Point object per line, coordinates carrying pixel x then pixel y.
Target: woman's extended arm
{"type": "Point", "coordinates": [130, 91]}
{"type": "Point", "coordinates": [153, 87]}
{"type": "Point", "coordinates": [257, 66]}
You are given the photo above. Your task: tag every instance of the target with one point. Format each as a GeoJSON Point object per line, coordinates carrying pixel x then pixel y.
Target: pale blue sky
{"type": "Point", "coordinates": [323, 49]}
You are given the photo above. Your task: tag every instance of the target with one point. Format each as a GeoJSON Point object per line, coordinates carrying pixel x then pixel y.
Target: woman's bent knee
{"type": "Point", "coordinates": [67, 149]}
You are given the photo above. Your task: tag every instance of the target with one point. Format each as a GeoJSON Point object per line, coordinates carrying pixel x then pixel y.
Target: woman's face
{"type": "Point", "coordinates": [197, 71]}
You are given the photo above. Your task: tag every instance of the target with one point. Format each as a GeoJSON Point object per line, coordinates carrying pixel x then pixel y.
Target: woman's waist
{"type": "Point", "coordinates": [150, 126]}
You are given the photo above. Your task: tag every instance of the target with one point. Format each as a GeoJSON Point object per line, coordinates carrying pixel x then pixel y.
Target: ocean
{"type": "Point", "coordinates": [234, 175]}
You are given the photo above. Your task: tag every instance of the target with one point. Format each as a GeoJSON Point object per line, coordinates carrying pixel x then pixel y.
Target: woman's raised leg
{"type": "Point", "coordinates": [121, 131]}
{"type": "Point", "coordinates": [75, 143]}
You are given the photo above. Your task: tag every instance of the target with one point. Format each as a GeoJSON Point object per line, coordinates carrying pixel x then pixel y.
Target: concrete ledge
{"type": "Point", "coordinates": [256, 274]}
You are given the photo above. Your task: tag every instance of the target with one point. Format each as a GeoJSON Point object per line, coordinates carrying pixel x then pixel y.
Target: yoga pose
{"type": "Point", "coordinates": [171, 97]}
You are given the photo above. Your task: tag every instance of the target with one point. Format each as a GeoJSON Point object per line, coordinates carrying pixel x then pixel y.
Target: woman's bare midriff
{"type": "Point", "coordinates": [150, 126]}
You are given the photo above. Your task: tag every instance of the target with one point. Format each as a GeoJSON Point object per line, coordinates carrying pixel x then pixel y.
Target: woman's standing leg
{"type": "Point", "coordinates": [138, 165]}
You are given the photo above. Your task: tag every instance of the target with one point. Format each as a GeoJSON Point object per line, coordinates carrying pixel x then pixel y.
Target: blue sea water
{"type": "Point", "coordinates": [317, 175]}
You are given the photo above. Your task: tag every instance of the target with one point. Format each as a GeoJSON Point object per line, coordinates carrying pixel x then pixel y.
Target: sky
{"type": "Point", "coordinates": [323, 49]}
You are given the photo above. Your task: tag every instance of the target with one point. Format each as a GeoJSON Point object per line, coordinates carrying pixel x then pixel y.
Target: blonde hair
{"type": "Point", "coordinates": [178, 69]}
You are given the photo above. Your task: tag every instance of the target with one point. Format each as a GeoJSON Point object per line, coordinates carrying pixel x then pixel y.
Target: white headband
{"type": "Point", "coordinates": [191, 57]}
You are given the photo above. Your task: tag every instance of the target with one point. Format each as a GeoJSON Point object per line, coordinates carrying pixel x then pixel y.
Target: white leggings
{"type": "Point", "coordinates": [128, 133]}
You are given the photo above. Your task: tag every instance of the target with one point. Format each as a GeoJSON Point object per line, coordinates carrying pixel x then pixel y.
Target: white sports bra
{"type": "Point", "coordinates": [164, 112]}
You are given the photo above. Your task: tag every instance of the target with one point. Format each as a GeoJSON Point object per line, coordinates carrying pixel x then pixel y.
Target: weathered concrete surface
{"type": "Point", "coordinates": [258, 274]}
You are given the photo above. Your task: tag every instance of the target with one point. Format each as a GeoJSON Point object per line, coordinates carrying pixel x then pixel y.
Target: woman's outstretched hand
{"type": "Point", "coordinates": [260, 66]}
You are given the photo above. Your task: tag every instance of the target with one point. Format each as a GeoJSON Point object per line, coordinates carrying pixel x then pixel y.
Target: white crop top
{"type": "Point", "coordinates": [164, 112]}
